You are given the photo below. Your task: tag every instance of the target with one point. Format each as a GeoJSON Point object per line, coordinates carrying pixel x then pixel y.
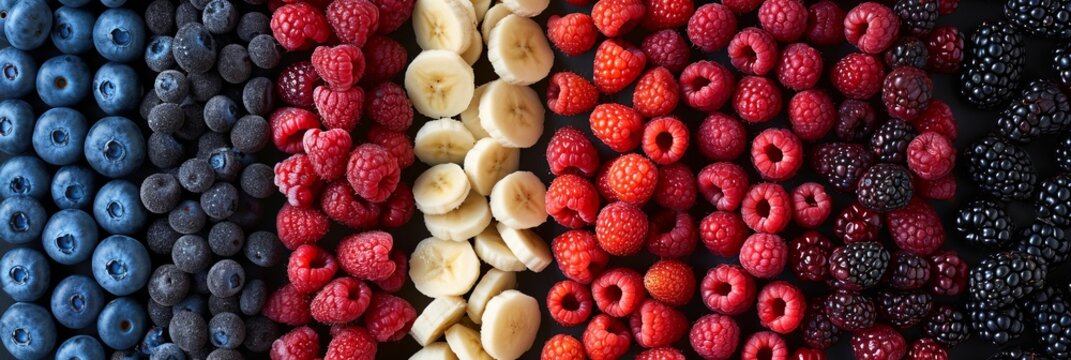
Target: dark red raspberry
{"type": "Point", "coordinates": [916, 228]}
{"type": "Point", "coordinates": [850, 311]}
{"type": "Point", "coordinates": [341, 109]}
{"type": "Point", "coordinates": [871, 27]}
{"type": "Point", "coordinates": [570, 94]}
{"type": "Point", "coordinates": [855, 120]}
{"type": "Point", "coordinates": [906, 92]}
{"type": "Point", "coordinates": [341, 66]}
{"type": "Point", "coordinates": [723, 233]}
{"type": "Point", "coordinates": [714, 337]}
{"type": "Point", "coordinates": [573, 34]}
{"type": "Point", "coordinates": [392, 14]}
{"type": "Point", "coordinates": [579, 256]}
{"type": "Point", "coordinates": [764, 345]}
{"type": "Point", "coordinates": [903, 309]}
{"type": "Point", "coordinates": [617, 65]}
{"type": "Point", "coordinates": [727, 289]}
{"type": "Point", "coordinates": [388, 105]}
{"type": "Point", "coordinates": [907, 271]}
{"type": "Point", "coordinates": [764, 255]}
{"type": "Point", "coordinates": [856, 223]}
{"type": "Point", "coordinates": [817, 331]}
{"type": "Point", "coordinates": [396, 280]}
{"type": "Point", "coordinates": [373, 172]}
{"type": "Point", "coordinates": [670, 281]}
{"type": "Point", "coordinates": [672, 234]}
{"type": "Point", "coordinates": [938, 118]}
{"type": "Point", "coordinates": [662, 353]}
{"type": "Point", "coordinates": [800, 67]}
{"type": "Point", "coordinates": [614, 18]}
{"type": "Point", "coordinates": [950, 273]}
{"type": "Point", "coordinates": [656, 324]}
{"type": "Point", "coordinates": [570, 151]}
{"type": "Point", "coordinates": [945, 46]}
{"type": "Point", "coordinates": [943, 188]}
{"type": "Point", "coordinates": [389, 317]}
{"type": "Point", "coordinates": [841, 164]}
{"type": "Point", "coordinates": [676, 187]}
{"type": "Point", "coordinates": [777, 154]}
{"type": "Point", "coordinates": [946, 7]}
{"type": "Point", "coordinates": [808, 354]}
{"type": "Point", "coordinates": [811, 114]}
{"type": "Point", "coordinates": [721, 137]}
{"type": "Point", "coordinates": [665, 140]}
{"type": "Point", "coordinates": [310, 268]}
{"type": "Point", "coordinates": [297, 26]}
{"type": "Point", "coordinates": [706, 85]}
{"type": "Point", "coordinates": [858, 75]}
{"type": "Point", "coordinates": [621, 228]}
{"type": "Point", "coordinates": [288, 306]}
{"type": "Point", "coordinates": [351, 343]}
{"type": "Point", "coordinates": [757, 99]}
{"type": "Point", "coordinates": [656, 93]}
{"type": "Point", "coordinates": [398, 208]}
{"type": "Point", "coordinates": [602, 182]}
{"type": "Point", "coordinates": [569, 303]}
{"type": "Point", "coordinates": [296, 83]}
{"type": "Point", "coordinates": [618, 291]}
{"type": "Point", "coordinates": [341, 301]}
{"type": "Point", "coordinates": [384, 59]}
{"type": "Point", "coordinates": [396, 142]}
{"type": "Point", "coordinates": [808, 255]}
{"type": "Point", "coordinates": [572, 201]}
{"type": "Point", "coordinates": [781, 307]}
{"type": "Point", "coordinates": [327, 151]}
{"type": "Point", "coordinates": [367, 255]}
{"type": "Point", "coordinates": [711, 27]}
{"type": "Point", "coordinates": [811, 205]}
{"type": "Point", "coordinates": [562, 347]}
{"type": "Point", "coordinates": [786, 20]}
{"type": "Point", "coordinates": [742, 6]}
{"type": "Point", "coordinates": [667, 14]}
{"type": "Point", "coordinates": [879, 342]}
{"type": "Point", "coordinates": [299, 226]}
{"type": "Point", "coordinates": [633, 178]}
{"type": "Point", "coordinates": [288, 126]}
{"type": "Point", "coordinates": [668, 49]}
{"type": "Point", "coordinates": [931, 156]}
{"type": "Point", "coordinates": [302, 343]}
{"type": "Point", "coordinates": [766, 208]}
{"type": "Point", "coordinates": [296, 179]}
{"type": "Point", "coordinates": [825, 23]}
{"type": "Point", "coordinates": [754, 51]}
{"type": "Point", "coordinates": [618, 126]}
{"type": "Point", "coordinates": [926, 349]}
{"type": "Point", "coordinates": [606, 338]}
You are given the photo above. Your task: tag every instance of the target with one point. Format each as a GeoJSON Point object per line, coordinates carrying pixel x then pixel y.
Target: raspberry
{"type": "Point", "coordinates": [676, 187]}
{"type": "Point", "coordinates": [906, 92]}
{"type": "Point", "coordinates": [618, 291]}
{"type": "Point", "coordinates": [727, 289]}
{"type": "Point", "coordinates": [396, 142]}
{"type": "Point", "coordinates": [392, 14]}
{"type": "Point", "coordinates": [878, 343]}
{"type": "Point", "coordinates": [766, 208]}
{"type": "Point", "coordinates": [825, 23]}
{"type": "Point", "coordinates": [723, 233]}
{"type": "Point", "coordinates": [562, 347]}
{"type": "Point", "coordinates": [572, 201]}
{"type": "Point", "coordinates": [938, 118]}
{"type": "Point", "coordinates": [384, 58]}
{"type": "Point", "coordinates": [808, 255]}
{"type": "Point", "coordinates": [856, 223]}
{"type": "Point", "coordinates": [841, 164]}
{"type": "Point", "coordinates": [656, 93]}
{"type": "Point", "coordinates": [373, 172]}
{"type": "Point", "coordinates": [569, 151]}
{"type": "Point", "coordinates": [781, 307]}
{"type": "Point", "coordinates": [656, 324]}
{"type": "Point", "coordinates": [946, 7]}
{"type": "Point", "coordinates": [341, 301]}
{"type": "Point", "coordinates": [569, 303]}
{"type": "Point", "coordinates": [288, 306]}
{"type": "Point", "coordinates": [850, 311]}
{"type": "Point", "coordinates": [353, 20]}
{"type": "Point", "coordinates": [721, 137]}
{"type": "Point", "coordinates": [617, 126]}
{"type": "Point", "coordinates": [945, 46]}
{"type": "Point", "coordinates": [299, 25]}
{"type": "Point", "coordinates": [399, 207]}
{"type": "Point", "coordinates": [817, 331]}
{"type": "Point", "coordinates": [326, 151]}
{"type": "Point", "coordinates": [714, 337]}
{"type": "Point", "coordinates": [579, 256]}
{"type": "Point", "coordinates": [858, 75]}
{"type": "Point", "coordinates": [786, 20]}
{"type": "Point", "coordinates": [367, 255]}
{"type": "Point", "coordinates": [299, 344]}
{"type": "Point", "coordinates": [670, 281]}
{"type": "Point", "coordinates": [777, 154]}
{"type": "Point", "coordinates": [389, 317]}
{"type": "Point", "coordinates": [706, 85]}
{"type": "Point", "coordinates": [617, 64]}
{"type": "Point", "coordinates": [617, 17]}
{"type": "Point", "coordinates": [665, 140]}
{"type": "Point", "coordinates": [297, 180]}
{"type": "Point", "coordinates": [667, 14]}
{"type": "Point", "coordinates": [396, 280]}
{"type": "Point", "coordinates": [754, 51]}
{"type": "Point", "coordinates": [949, 273]}
{"type": "Point", "coordinates": [811, 114]}
{"type": "Point", "coordinates": [757, 99]}
{"type": "Point", "coordinates": [340, 67]}
{"type": "Point", "coordinates": [570, 94]}
{"type": "Point", "coordinates": [943, 188]}
{"type": "Point", "coordinates": [602, 182]}
{"type": "Point", "coordinates": [310, 268]}
{"type": "Point", "coordinates": [621, 228]}
{"type": "Point", "coordinates": [871, 27]}
{"type": "Point", "coordinates": [764, 255]}
{"type": "Point", "coordinates": [295, 84]}
{"type": "Point", "coordinates": [926, 349]}
{"type": "Point", "coordinates": [711, 27]}
{"type": "Point", "coordinates": [800, 67]}
{"type": "Point", "coordinates": [573, 34]}
{"type": "Point", "coordinates": [855, 120]}
{"type": "Point", "coordinates": [298, 226]}
{"type": "Point", "coordinates": [606, 338]}
{"type": "Point", "coordinates": [916, 228]}
{"type": "Point", "coordinates": [341, 109]}
{"type": "Point", "coordinates": [808, 354]}
{"type": "Point", "coordinates": [662, 353]}
{"type": "Point", "coordinates": [931, 156]}
{"type": "Point", "coordinates": [351, 343]}
{"type": "Point", "coordinates": [764, 345]}
{"type": "Point", "coordinates": [810, 205]}
{"type": "Point", "coordinates": [672, 234]}
{"type": "Point", "coordinates": [633, 178]}
{"type": "Point", "coordinates": [341, 204]}
{"type": "Point", "coordinates": [742, 6]}
{"type": "Point", "coordinates": [388, 105]}
{"type": "Point", "coordinates": [668, 49]}
{"type": "Point", "coordinates": [288, 126]}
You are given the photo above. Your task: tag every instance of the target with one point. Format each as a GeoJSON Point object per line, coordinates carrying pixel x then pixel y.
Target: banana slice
{"type": "Point", "coordinates": [465, 342]}
{"type": "Point", "coordinates": [439, 82]}
{"type": "Point", "coordinates": [443, 267]}
{"type": "Point", "coordinates": [528, 247]}
{"type": "Point", "coordinates": [518, 50]}
{"type": "Point", "coordinates": [491, 18]}
{"type": "Point", "coordinates": [471, 116]}
{"type": "Point", "coordinates": [518, 200]}
{"type": "Point", "coordinates": [434, 351]}
{"type": "Point", "coordinates": [443, 24]}
{"type": "Point", "coordinates": [527, 8]}
{"type": "Point", "coordinates": [463, 223]}
{"type": "Point", "coordinates": [488, 162]}
{"type": "Point", "coordinates": [512, 114]}
{"type": "Point", "coordinates": [493, 250]}
{"type": "Point", "coordinates": [442, 141]}
{"type": "Point", "coordinates": [436, 317]}
{"type": "Point", "coordinates": [480, 7]}
{"type": "Point", "coordinates": [472, 54]}
{"type": "Point", "coordinates": [510, 324]}
{"type": "Point", "coordinates": [441, 188]}
{"type": "Point", "coordinates": [493, 282]}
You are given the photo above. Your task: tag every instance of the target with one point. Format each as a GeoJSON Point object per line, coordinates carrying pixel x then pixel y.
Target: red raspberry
{"type": "Point", "coordinates": [573, 34]}
{"type": "Point", "coordinates": [295, 84]}
{"type": "Point", "coordinates": [373, 172]}
{"type": "Point", "coordinates": [367, 255]}
{"type": "Point", "coordinates": [341, 204]}
{"type": "Point", "coordinates": [341, 109]}
{"type": "Point", "coordinates": [298, 226]}
{"type": "Point", "coordinates": [297, 180]}
{"type": "Point", "coordinates": [754, 51]}
{"type": "Point", "coordinates": [742, 6]}
{"type": "Point", "coordinates": [668, 49]}
{"type": "Point", "coordinates": [299, 25]}
{"type": "Point", "coordinates": [781, 307]}
{"type": "Point", "coordinates": [602, 182]}
{"type": "Point", "coordinates": [871, 27]}
{"type": "Point", "coordinates": [621, 228]}
{"type": "Point", "coordinates": [879, 342]}
{"type": "Point", "coordinates": [949, 273]}
{"type": "Point", "coordinates": [945, 48]}
{"type": "Point", "coordinates": [670, 281]}
{"type": "Point", "coordinates": [310, 268]}
{"type": "Point", "coordinates": [569, 151]}
{"type": "Point", "coordinates": [706, 85]}
{"type": "Point", "coordinates": [617, 64]}
{"type": "Point", "coordinates": [562, 347]}
{"type": "Point", "coordinates": [384, 59]}
{"type": "Point", "coordinates": [399, 207]}
{"type": "Point", "coordinates": [656, 93]}
{"type": "Point", "coordinates": [711, 27]}
{"type": "Point", "coordinates": [764, 345]}
{"type": "Point", "coordinates": [856, 223]}
{"type": "Point", "coordinates": [777, 154]}
{"type": "Point", "coordinates": [938, 118]}
{"type": "Point", "coordinates": [392, 14]}
{"type": "Point", "coordinates": [858, 75]}
{"type": "Point", "coordinates": [811, 205]}
{"type": "Point", "coordinates": [572, 201]}
{"type": "Point", "coordinates": [766, 208]}
{"type": "Point", "coordinates": [606, 338]}
{"type": "Point", "coordinates": [811, 114]}
{"type": "Point", "coordinates": [288, 126]}
{"type": "Point", "coordinates": [800, 67]}
{"type": "Point", "coordinates": [618, 126]}
{"type": "Point", "coordinates": [579, 256]}
{"type": "Point", "coordinates": [396, 280]}
{"type": "Point", "coordinates": [656, 324]}
{"type": "Point", "coordinates": [667, 14]}
{"type": "Point", "coordinates": [946, 7]}
{"type": "Point", "coordinates": [341, 301]}
{"type": "Point", "coordinates": [676, 187]}
{"type": "Point", "coordinates": [388, 105]}
{"type": "Point", "coordinates": [569, 303]}
{"type": "Point", "coordinates": [633, 178]}
{"type": "Point", "coordinates": [906, 92]}
{"type": "Point", "coordinates": [943, 188]}
{"type": "Point", "coordinates": [618, 291]}
{"type": "Point", "coordinates": [855, 120]}
{"type": "Point", "coordinates": [672, 234]}
{"type": "Point", "coordinates": [570, 94]}
{"type": "Point", "coordinates": [786, 20]}
{"type": "Point", "coordinates": [808, 354]}
{"type": "Point", "coordinates": [326, 151]}
{"type": "Point", "coordinates": [388, 317]}
{"type": "Point", "coordinates": [396, 142]}
{"type": "Point", "coordinates": [714, 337]}
{"type": "Point", "coordinates": [727, 289]}
{"type": "Point", "coordinates": [723, 184]}
{"type": "Point", "coordinates": [926, 349]}
{"type": "Point", "coordinates": [662, 353]}
{"type": "Point", "coordinates": [721, 137]}
{"type": "Point", "coordinates": [808, 255]}
{"type": "Point", "coordinates": [299, 344]}
{"type": "Point", "coordinates": [764, 255]}
{"type": "Point", "coordinates": [341, 66]}
{"type": "Point", "coordinates": [723, 233]}
{"type": "Point", "coordinates": [351, 343]}
{"type": "Point", "coordinates": [757, 99]}
{"type": "Point", "coordinates": [353, 20]}
{"type": "Point", "coordinates": [665, 140]}
{"type": "Point", "coordinates": [825, 23]}
{"type": "Point", "coordinates": [916, 228]}
{"type": "Point", "coordinates": [617, 17]}
{"type": "Point", "coordinates": [931, 156]}
{"type": "Point", "coordinates": [288, 306]}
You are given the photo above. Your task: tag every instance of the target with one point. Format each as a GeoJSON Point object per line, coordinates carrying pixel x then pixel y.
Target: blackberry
{"type": "Point", "coordinates": [1042, 109]}
{"type": "Point", "coordinates": [1045, 18]}
{"type": "Point", "coordinates": [1063, 152]}
{"type": "Point", "coordinates": [885, 187]}
{"type": "Point", "coordinates": [1003, 278]}
{"type": "Point", "coordinates": [1053, 202]}
{"type": "Point", "coordinates": [994, 64]}
{"type": "Point", "coordinates": [908, 51]}
{"type": "Point", "coordinates": [841, 164]}
{"type": "Point", "coordinates": [817, 330]}
{"type": "Point", "coordinates": [918, 17]}
{"type": "Point", "coordinates": [850, 311]}
{"type": "Point", "coordinates": [809, 256]}
{"type": "Point", "coordinates": [889, 142]}
{"type": "Point", "coordinates": [947, 325]}
{"type": "Point", "coordinates": [1017, 354]}
{"type": "Point", "coordinates": [1061, 62]}
{"type": "Point", "coordinates": [1045, 241]}
{"type": "Point", "coordinates": [996, 326]}
{"type": "Point", "coordinates": [904, 309]}
{"type": "Point", "coordinates": [907, 271]}
{"type": "Point", "coordinates": [858, 265]}
{"type": "Point", "coordinates": [985, 223]}
{"type": "Point", "coordinates": [1050, 312]}
{"type": "Point", "coordinates": [1001, 169]}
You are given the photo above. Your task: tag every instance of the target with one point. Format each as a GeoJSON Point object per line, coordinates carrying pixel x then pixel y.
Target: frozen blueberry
{"type": "Point", "coordinates": [250, 212]}
{"type": "Point", "coordinates": [24, 175]}
{"type": "Point", "coordinates": [168, 351]}
{"type": "Point", "coordinates": [27, 24]}
{"type": "Point", "coordinates": [130, 354]}
{"type": "Point", "coordinates": [70, 236]}
{"type": "Point", "coordinates": [115, 146]}
{"type": "Point", "coordinates": [73, 187]}
{"type": "Point", "coordinates": [253, 296]}
{"type": "Point", "coordinates": [164, 151]}
{"type": "Point", "coordinates": [159, 315]}
{"type": "Point", "coordinates": [168, 285]}
{"type": "Point", "coordinates": [257, 180]}
{"type": "Point", "coordinates": [252, 24]}
{"type": "Point", "coordinates": [187, 217]}
{"type": "Point", "coordinates": [160, 17]}
{"type": "Point", "coordinates": [119, 35]}
{"type": "Point", "coordinates": [28, 331]}
{"type": "Point", "coordinates": [226, 162]}
{"type": "Point", "coordinates": [22, 219]}
{"type": "Point", "coordinates": [121, 265]}
{"type": "Point", "coordinates": [158, 54]}
{"type": "Point", "coordinates": [160, 193]}
{"type": "Point", "coordinates": [234, 65]}
{"type": "Point", "coordinates": [196, 175]}
{"type": "Point", "coordinates": [257, 96]}
{"type": "Point", "coordinates": [171, 86]}
{"type": "Point", "coordinates": [72, 30]}
{"type": "Point", "coordinates": [60, 135]}
{"type": "Point", "coordinates": [221, 113]}
{"type": "Point", "coordinates": [166, 118]}
{"type": "Point", "coordinates": [250, 134]}
{"type": "Point", "coordinates": [118, 208]}
{"type": "Point", "coordinates": [16, 125]}
{"type": "Point", "coordinates": [63, 81]}
{"type": "Point", "coordinates": [149, 101]}
{"type": "Point", "coordinates": [200, 4]}
{"type": "Point", "coordinates": [25, 274]}
{"type": "Point", "coordinates": [76, 301]}
{"type": "Point", "coordinates": [19, 72]}
{"type": "Point", "coordinates": [193, 126]}
{"type": "Point", "coordinates": [226, 238]}
{"type": "Point", "coordinates": [263, 249]}
{"type": "Point", "coordinates": [185, 13]}
{"type": "Point", "coordinates": [226, 278]}
{"type": "Point", "coordinates": [260, 333]}
{"type": "Point", "coordinates": [191, 254]}
{"type": "Point", "coordinates": [218, 305]}
{"type": "Point", "coordinates": [193, 303]}
{"type": "Point", "coordinates": [219, 16]}
{"type": "Point", "coordinates": [200, 282]}
{"type": "Point", "coordinates": [160, 237]}
{"type": "Point", "coordinates": [209, 143]}
{"type": "Point", "coordinates": [188, 330]}
{"type": "Point", "coordinates": [116, 88]}
{"type": "Point", "coordinates": [194, 48]}
{"type": "Point", "coordinates": [264, 51]}
{"type": "Point", "coordinates": [205, 86]}
{"type": "Point", "coordinates": [155, 337]}
{"type": "Point", "coordinates": [113, 3]}
{"type": "Point", "coordinates": [225, 354]}
{"type": "Point", "coordinates": [80, 347]}
{"type": "Point", "coordinates": [122, 323]}
{"type": "Point", "coordinates": [226, 331]}
{"type": "Point", "coordinates": [220, 201]}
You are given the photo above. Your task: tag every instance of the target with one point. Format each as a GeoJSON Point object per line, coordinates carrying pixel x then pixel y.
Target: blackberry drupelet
{"type": "Point", "coordinates": [889, 142]}
{"type": "Point", "coordinates": [1003, 278]}
{"type": "Point", "coordinates": [1047, 242]}
{"type": "Point", "coordinates": [907, 271]}
{"type": "Point", "coordinates": [1001, 168]}
{"type": "Point", "coordinates": [858, 265]}
{"type": "Point", "coordinates": [1050, 312]}
{"type": "Point", "coordinates": [947, 325]}
{"type": "Point", "coordinates": [1061, 62]}
{"type": "Point", "coordinates": [904, 309]}
{"type": "Point", "coordinates": [997, 326]}
{"type": "Point", "coordinates": [808, 256]}
{"type": "Point", "coordinates": [1053, 203]}
{"type": "Point", "coordinates": [856, 223]}
{"type": "Point", "coordinates": [994, 64]}
{"type": "Point", "coordinates": [985, 223]}
{"type": "Point", "coordinates": [817, 330]}
{"type": "Point", "coordinates": [1017, 354]}
{"type": "Point", "coordinates": [885, 187]}
{"type": "Point", "coordinates": [850, 311]}
{"type": "Point", "coordinates": [841, 164]}
{"type": "Point", "coordinates": [908, 51]}
{"type": "Point", "coordinates": [1045, 18]}
{"type": "Point", "coordinates": [1041, 109]}
{"type": "Point", "coordinates": [1063, 152]}
{"type": "Point", "coordinates": [917, 17]}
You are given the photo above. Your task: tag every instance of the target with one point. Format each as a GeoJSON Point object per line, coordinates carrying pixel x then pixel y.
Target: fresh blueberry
{"type": "Point", "coordinates": [19, 73]}
{"type": "Point", "coordinates": [168, 351]}
{"type": "Point", "coordinates": [121, 265]}
{"type": "Point", "coordinates": [115, 147]}
{"type": "Point", "coordinates": [158, 54]}
{"type": "Point", "coordinates": [24, 175]}
{"type": "Point", "coordinates": [60, 135]}
{"type": "Point", "coordinates": [77, 301]}
{"type": "Point", "coordinates": [24, 274]}
{"type": "Point", "coordinates": [119, 35]}
{"type": "Point", "coordinates": [113, 3]}
{"type": "Point", "coordinates": [28, 331]}
{"type": "Point", "coordinates": [122, 323]}
{"type": "Point", "coordinates": [70, 236]}
{"type": "Point", "coordinates": [73, 187]}
{"type": "Point", "coordinates": [21, 219]}
{"type": "Point", "coordinates": [63, 81]}
{"type": "Point", "coordinates": [27, 24]}
{"type": "Point", "coordinates": [16, 125]}
{"type": "Point", "coordinates": [80, 347]}
{"type": "Point", "coordinates": [74, 3]}
{"type": "Point", "coordinates": [72, 30]}
{"type": "Point", "coordinates": [153, 339]}
{"type": "Point", "coordinates": [118, 208]}
{"type": "Point", "coordinates": [116, 89]}
{"type": "Point", "coordinates": [194, 49]}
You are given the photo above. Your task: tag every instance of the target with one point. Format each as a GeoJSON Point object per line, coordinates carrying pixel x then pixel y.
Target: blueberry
{"type": "Point", "coordinates": [119, 35]}
{"type": "Point", "coordinates": [122, 323]}
{"type": "Point", "coordinates": [16, 125]}
{"type": "Point", "coordinates": [21, 219]}
{"type": "Point", "coordinates": [226, 278]}
{"type": "Point", "coordinates": [234, 65]}
{"type": "Point", "coordinates": [220, 16]}
{"type": "Point", "coordinates": [60, 135]}
{"type": "Point", "coordinates": [76, 301]}
{"type": "Point", "coordinates": [121, 265]}
{"type": "Point", "coordinates": [205, 85]}
{"type": "Point", "coordinates": [185, 13]}
{"type": "Point", "coordinates": [226, 238]}
{"type": "Point", "coordinates": [196, 175]}
{"type": "Point", "coordinates": [72, 30]}
{"type": "Point", "coordinates": [249, 212]}
{"type": "Point", "coordinates": [226, 331]}
{"type": "Point", "coordinates": [4, 6]}
{"type": "Point", "coordinates": [253, 296]}
{"type": "Point", "coordinates": [226, 162]}
{"type": "Point", "coordinates": [260, 333]}
{"type": "Point", "coordinates": [225, 354]}
{"type": "Point", "coordinates": [73, 187]}
{"type": "Point", "coordinates": [220, 201]}
{"type": "Point", "coordinates": [256, 181]}
{"type": "Point", "coordinates": [159, 314]}
{"type": "Point", "coordinates": [257, 96]}
{"type": "Point", "coordinates": [158, 54]}
{"type": "Point", "coordinates": [118, 208]}
{"type": "Point", "coordinates": [187, 217]}
{"type": "Point", "coordinates": [70, 236]}
{"type": "Point", "coordinates": [194, 124]}
{"type": "Point", "coordinates": [113, 3]}
{"type": "Point", "coordinates": [188, 330]}
{"type": "Point", "coordinates": [63, 81]}
{"type": "Point", "coordinates": [171, 86]}
{"type": "Point", "coordinates": [116, 88]}
{"type": "Point", "coordinates": [153, 339]}
{"type": "Point", "coordinates": [24, 274]}
{"type": "Point", "coordinates": [19, 73]}
{"type": "Point", "coordinates": [28, 331]}
{"type": "Point", "coordinates": [160, 17]}
{"type": "Point", "coordinates": [263, 249]}
{"type": "Point", "coordinates": [191, 254]}
{"type": "Point", "coordinates": [115, 147]}
{"type": "Point", "coordinates": [199, 4]}
{"type": "Point", "coordinates": [166, 118]}
{"type": "Point", "coordinates": [164, 151]}
{"type": "Point", "coordinates": [208, 144]}
{"type": "Point", "coordinates": [194, 48]}
{"type": "Point", "coordinates": [24, 175]}
{"type": "Point", "coordinates": [161, 237]}
{"type": "Point", "coordinates": [129, 354]}
{"type": "Point", "coordinates": [160, 193]}
{"type": "Point", "coordinates": [168, 351]}
{"type": "Point", "coordinates": [149, 101]}
{"type": "Point", "coordinates": [168, 285]}
{"type": "Point", "coordinates": [252, 24]}
{"type": "Point", "coordinates": [221, 113]}
{"type": "Point", "coordinates": [74, 3]}
{"type": "Point", "coordinates": [27, 24]}
{"type": "Point", "coordinates": [80, 347]}
{"type": "Point", "coordinates": [200, 285]}
{"type": "Point", "coordinates": [218, 305]}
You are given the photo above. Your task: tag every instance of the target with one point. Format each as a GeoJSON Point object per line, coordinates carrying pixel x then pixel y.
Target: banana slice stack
{"type": "Point", "coordinates": [473, 189]}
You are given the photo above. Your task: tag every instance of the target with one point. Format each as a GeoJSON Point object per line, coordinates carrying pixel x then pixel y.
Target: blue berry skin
{"type": "Point", "coordinates": [80, 347]}
{"type": "Point", "coordinates": [25, 274]}
{"type": "Point", "coordinates": [60, 135]}
{"type": "Point", "coordinates": [18, 72]}
{"type": "Point", "coordinates": [76, 301]}
{"type": "Point", "coordinates": [21, 219]}
{"type": "Point", "coordinates": [27, 24]}
{"type": "Point", "coordinates": [28, 331]}
{"type": "Point", "coordinates": [194, 49]}
{"type": "Point", "coordinates": [118, 208]}
{"type": "Point", "coordinates": [73, 187]}
{"type": "Point", "coordinates": [70, 236]}
{"type": "Point", "coordinates": [121, 265]}
{"type": "Point", "coordinates": [193, 303]}
{"type": "Point", "coordinates": [72, 30]}
{"type": "Point", "coordinates": [63, 81]}
{"type": "Point", "coordinates": [16, 125]}
{"type": "Point", "coordinates": [116, 89]}
{"type": "Point", "coordinates": [158, 54]}
{"type": "Point", "coordinates": [113, 3]}
{"type": "Point", "coordinates": [74, 3]}
{"type": "Point", "coordinates": [119, 35]}
{"type": "Point", "coordinates": [24, 175]}
{"type": "Point", "coordinates": [169, 351]}
{"type": "Point", "coordinates": [152, 340]}
{"type": "Point", "coordinates": [122, 323]}
{"type": "Point", "coordinates": [115, 147]}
